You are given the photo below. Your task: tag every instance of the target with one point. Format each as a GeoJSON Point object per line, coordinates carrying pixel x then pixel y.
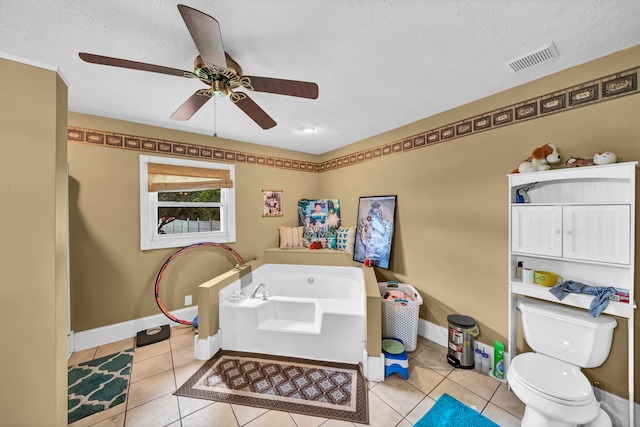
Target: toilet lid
{"type": "Point", "coordinates": [559, 381]}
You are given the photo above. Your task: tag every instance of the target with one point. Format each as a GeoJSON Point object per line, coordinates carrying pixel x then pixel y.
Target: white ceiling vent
{"type": "Point", "coordinates": [538, 56]}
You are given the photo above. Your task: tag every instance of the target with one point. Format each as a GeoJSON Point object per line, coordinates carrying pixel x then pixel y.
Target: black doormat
{"type": "Point", "coordinates": [153, 335]}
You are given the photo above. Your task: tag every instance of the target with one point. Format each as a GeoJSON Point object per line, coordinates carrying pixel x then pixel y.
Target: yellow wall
{"type": "Point", "coordinates": [112, 279]}
{"type": "Point", "coordinates": [451, 223]}
{"type": "Point", "coordinates": [33, 253]}
{"type": "Point", "coordinates": [451, 234]}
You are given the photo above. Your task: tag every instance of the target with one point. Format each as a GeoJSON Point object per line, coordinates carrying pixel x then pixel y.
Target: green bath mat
{"type": "Point", "coordinates": [98, 384]}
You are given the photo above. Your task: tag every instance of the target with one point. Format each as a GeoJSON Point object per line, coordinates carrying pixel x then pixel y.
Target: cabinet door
{"type": "Point", "coordinates": [597, 233]}
{"type": "Point", "coordinates": [536, 230]}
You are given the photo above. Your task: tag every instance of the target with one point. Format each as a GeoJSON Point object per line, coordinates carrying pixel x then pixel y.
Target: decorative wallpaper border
{"type": "Point", "coordinates": [587, 93]}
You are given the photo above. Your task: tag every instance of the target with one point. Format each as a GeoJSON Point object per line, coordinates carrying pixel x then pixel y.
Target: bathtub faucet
{"type": "Point", "coordinates": [255, 291]}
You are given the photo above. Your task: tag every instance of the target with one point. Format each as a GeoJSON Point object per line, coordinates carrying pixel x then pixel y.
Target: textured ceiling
{"type": "Point", "coordinates": [379, 64]}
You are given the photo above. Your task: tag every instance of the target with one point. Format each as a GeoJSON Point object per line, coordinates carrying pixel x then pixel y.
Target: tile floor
{"type": "Point", "coordinates": [160, 368]}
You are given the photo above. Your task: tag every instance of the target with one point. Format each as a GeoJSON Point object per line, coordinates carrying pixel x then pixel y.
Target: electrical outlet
{"type": "Point", "coordinates": [187, 300]}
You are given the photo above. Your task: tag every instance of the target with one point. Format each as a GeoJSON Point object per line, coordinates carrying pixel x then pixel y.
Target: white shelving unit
{"type": "Point", "coordinates": [578, 223]}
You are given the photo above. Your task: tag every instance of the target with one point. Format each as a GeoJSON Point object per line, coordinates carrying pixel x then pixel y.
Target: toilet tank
{"type": "Point", "coordinates": [566, 333]}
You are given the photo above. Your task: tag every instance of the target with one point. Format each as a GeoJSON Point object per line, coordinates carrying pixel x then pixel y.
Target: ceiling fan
{"type": "Point", "coordinates": [217, 70]}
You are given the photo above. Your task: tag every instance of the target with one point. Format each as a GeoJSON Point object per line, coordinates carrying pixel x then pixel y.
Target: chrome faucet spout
{"type": "Point", "coordinates": [255, 291]}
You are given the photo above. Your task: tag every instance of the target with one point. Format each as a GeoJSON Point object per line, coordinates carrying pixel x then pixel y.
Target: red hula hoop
{"type": "Point", "coordinates": [166, 263]}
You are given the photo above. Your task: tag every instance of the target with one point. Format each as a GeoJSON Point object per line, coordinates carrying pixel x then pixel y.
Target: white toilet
{"type": "Point", "coordinates": [549, 381]}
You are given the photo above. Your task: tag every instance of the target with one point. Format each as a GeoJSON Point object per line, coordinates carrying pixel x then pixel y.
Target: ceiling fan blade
{"type": "Point", "coordinates": [281, 86]}
{"type": "Point", "coordinates": [190, 106]}
{"type": "Point", "coordinates": [205, 32]}
{"type": "Point", "coordinates": [252, 110]}
{"type": "Point", "coordinates": [123, 63]}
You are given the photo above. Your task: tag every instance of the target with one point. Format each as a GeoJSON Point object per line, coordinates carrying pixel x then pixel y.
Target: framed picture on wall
{"type": "Point", "coordinates": [374, 230]}
{"type": "Point", "coordinates": [272, 203]}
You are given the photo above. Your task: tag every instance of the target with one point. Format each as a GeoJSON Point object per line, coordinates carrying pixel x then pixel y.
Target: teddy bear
{"type": "Point", "coordinates": [540, 159]}
{"type": "Point", "coordinates": [605, 158]}
{"type": "Point", "coordinates": [577, 162]}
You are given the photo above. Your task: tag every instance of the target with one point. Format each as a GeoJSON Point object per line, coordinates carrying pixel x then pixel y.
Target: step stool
{"type": "Point", "coordinates": [395, 358]}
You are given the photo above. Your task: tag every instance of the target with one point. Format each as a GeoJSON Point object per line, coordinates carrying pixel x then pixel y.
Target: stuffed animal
{"type": "Point", "coordinates": [605, 158]}
{"type": "Point", "coordinates": [540, 159]}
{"type": "Point", "coordinates": [574, 162]}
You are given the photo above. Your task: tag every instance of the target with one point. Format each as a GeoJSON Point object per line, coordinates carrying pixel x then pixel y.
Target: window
{"type": "Point", "coordinates": [183, 202]}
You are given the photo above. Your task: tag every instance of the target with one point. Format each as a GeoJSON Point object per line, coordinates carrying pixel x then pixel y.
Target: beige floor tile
{"type": "Point", "coordinates": [441, 348]}
{"type": "Point", "coordinates": [500, 416]}
{"type": "Point", "coordinates": [419, 349]}
{"type": "Point", "coordinates": [100, 416]}
{"type": "Point", "coordinates": [115, 421]}
{"type": "Point", "coordinates": [184, 372]}
{"type": "Point", "coordinates": [481, 384]}
{"type": "Point", "coordinates": [218, 414]}
{"type": "Point", "coordinates": [182, 356]}
{"type": "Point", "coordinates": [150, 367]}
{"type": "Point", "coordinates": [114, 347]}
{"type": "Point", "coordinates": [398, 394]}
{"type": "Point", "coordinates": [151, 388]}
{"type": "Point", "coordinates": [308, 420]}
{"type": "Point", "coordinates": [181, 329]}
{"type": "Point", "coordinates": [155, 413]}
{"type": "Point", "coordinates": [433, 358]}
{"type": "Point", "coordinates": [422, 408]}
{"type": "Point", "coordinates": [507, 400]}
{"type": "Point", "coordinates": [338, 423]}
{"type": "Point", "coordinates": [246, 414]}
{"type": "Point", "coordinates": [182, 340]}
{"type": "Point", "coordinates": [457, 391]}
{"type": "Point", "coordinates": [380, 414]}
{"type": "Point", "coordinates": [423, 378]}
{"type": "Point", "coordinates": [189, 405]}
{"type": "Point", "coordinates": [273, 419]}
{"type": "Point", "coordinates": [82, 356]}
{"type": "Point", "coordinates": [425, 341]}
{"type": "Point", "coordinates": [150, 401]}
{"type": "Point", "coordinates": [151, 350]}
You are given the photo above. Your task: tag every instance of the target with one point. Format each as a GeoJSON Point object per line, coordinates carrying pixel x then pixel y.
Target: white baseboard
{"type": "Point", "coordinates": [617, 408]}
{"type": "Point", "coordinates": [119, 331]}
{"type": "Point", "coordinates": [206, 348]}
{"type": "Point", "coordinates": [373, 367]}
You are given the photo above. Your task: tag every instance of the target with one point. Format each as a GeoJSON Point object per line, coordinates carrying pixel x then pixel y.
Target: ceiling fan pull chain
{"type": "Point", "coordinates": [215, 111]}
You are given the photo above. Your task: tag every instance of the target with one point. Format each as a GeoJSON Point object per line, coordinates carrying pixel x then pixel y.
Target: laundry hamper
{"type": "Point", "coordinates": [401, 321]}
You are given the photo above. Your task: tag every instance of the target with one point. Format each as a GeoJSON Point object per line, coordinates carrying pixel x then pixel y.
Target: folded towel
{"type": "Point", "coordinates": [601, 294]}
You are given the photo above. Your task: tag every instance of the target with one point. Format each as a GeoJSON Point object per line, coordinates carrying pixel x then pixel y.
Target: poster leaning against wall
{"type": "Point", "coordinates": [374, 230]}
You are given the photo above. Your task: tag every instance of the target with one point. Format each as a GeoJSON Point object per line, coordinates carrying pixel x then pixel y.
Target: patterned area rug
{"type": "Point", "coordinates": [98, 384]}
{"type": "Point", "coordinates": [321, 389]}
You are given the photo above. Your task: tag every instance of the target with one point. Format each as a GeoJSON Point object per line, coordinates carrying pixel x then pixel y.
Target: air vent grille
{"type": "Point", "coordinates": [538, 56]}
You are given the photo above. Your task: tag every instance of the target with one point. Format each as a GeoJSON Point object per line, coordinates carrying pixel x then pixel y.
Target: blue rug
{"type": "Point", "coordinates": [449, 412]}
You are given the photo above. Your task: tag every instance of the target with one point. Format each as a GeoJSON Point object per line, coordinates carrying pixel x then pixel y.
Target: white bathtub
{"type": "Point", "coordinates": [313, 312]}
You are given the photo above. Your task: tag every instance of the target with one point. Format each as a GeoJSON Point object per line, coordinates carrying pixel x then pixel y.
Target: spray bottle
{"type": "Point", "coordinates": [498, 360]}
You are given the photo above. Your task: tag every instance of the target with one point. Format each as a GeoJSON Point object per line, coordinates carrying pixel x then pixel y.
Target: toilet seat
{"type": "Point", "coordinates": [554, 379]}
{"type": "Point", "coordinates": [533, 377]}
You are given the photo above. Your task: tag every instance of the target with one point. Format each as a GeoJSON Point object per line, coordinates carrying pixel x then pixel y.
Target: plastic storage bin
{"type": "Point", "coordinates": [401, 320]}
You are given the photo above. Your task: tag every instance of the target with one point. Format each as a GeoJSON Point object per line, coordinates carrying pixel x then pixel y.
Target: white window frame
{"type": "Point", "coordinates": [149, 237]}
